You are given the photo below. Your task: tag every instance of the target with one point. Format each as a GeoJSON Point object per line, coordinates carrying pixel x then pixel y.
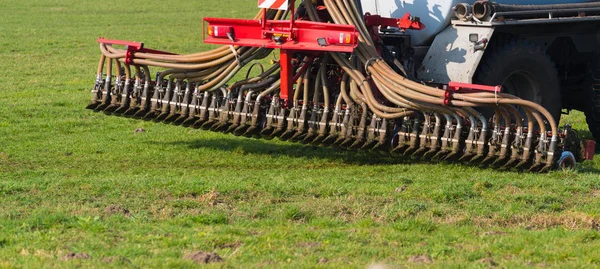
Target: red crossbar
{"type": "Point", "coordinates": [129, 44]}
{"type": "Point", "coordinates": [457, 86]}
{"type": "Point", "coordinates": [132, 48]}
{"type": "Point", "coordinates": [277, 34]}
{"type": "Point", "coordinates": [454, 87]}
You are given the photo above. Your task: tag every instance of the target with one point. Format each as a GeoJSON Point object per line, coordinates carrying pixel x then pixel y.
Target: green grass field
{"type": "Point", "coordinates": [80, 189]}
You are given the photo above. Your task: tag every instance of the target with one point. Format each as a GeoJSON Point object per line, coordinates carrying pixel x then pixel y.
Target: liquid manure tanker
{"type": "Point", "coordinates": [480, 83]}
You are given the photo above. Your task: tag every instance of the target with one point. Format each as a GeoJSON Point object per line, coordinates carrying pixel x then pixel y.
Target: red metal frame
{"type": "Point", "coordinates": [454, 87]}
{"type": "Point", "coordinates": [288, 36]}
{"type": "Point", "coordinates": [132, 48]}
{"type": "Point", "coordinates": [286, 73]}
{"type": "Point", "coordinates": [375, 22]}
{"type": "Point", "coordinates": [458, 86]}
{"type": "Point", "coordinates": [407, 22]}
{"type": "Point", "coordinates": [303, 35]}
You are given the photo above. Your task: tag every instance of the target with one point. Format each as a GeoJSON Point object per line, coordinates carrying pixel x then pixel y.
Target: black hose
{"type": "Point", "coordinates": [483, 10]}
{"type": "Point", "coordinates": [263, 84]}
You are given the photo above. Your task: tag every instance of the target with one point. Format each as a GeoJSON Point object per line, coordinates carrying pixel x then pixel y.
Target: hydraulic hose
{"type": "Point", "coordinates": [374, 105]}
{"type": "Point", "coordinates": [483, 10]}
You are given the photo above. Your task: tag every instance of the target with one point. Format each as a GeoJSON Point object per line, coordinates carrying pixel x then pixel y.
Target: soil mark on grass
{"type": "Point", "coordinates": [420, 259]}
{"type": "Point", "coordinates": [117, 209]}
{"type": "Point", "coordinates": [201, 257]}
{"type": "Point", "coordinates": [488, 262]}
{"type": "Point", "coordinates": [116, 259]}
{"type": "Point", "coordinates": [76, 256]}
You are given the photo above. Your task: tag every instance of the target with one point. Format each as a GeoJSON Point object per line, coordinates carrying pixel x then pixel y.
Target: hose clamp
{"type": "Point", "coordinates": [497, 89]}
{"type": "Point", "coordinates": [237, 56]}
{"type": "Point", "coordinates": [370, 61]}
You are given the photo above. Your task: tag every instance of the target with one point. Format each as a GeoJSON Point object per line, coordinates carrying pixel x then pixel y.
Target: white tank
{"type": "Point", "coordinates": [435, 14]}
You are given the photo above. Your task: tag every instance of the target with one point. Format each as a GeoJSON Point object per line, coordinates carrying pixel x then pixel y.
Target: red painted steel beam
{"type": "Point", "coordinates": [277, 34]}
{"type": "Point", "coordinates": [131, 45]}
{"type": "Point", "coordinates": [454, 87]}
{"type": "Point", "coordinates": [407, 22]}
{"type": "Point", "coordinates": [457, 86]}
{"type": "Point", "coordinates": [287, 74]}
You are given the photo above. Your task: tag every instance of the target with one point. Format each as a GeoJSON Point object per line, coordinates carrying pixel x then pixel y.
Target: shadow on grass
{"type": "Point", "coordinates": [263, 147]}
{"type": "Point", "coordinates": [589, 169]}
{"type": "Point", "coordinates": [296, 150]}
{"type": "Point", "coordinates": [585, 134]}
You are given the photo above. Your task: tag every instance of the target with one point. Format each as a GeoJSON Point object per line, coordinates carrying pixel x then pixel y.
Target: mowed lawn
{"type": "Point", "coordinates": [81, 189]}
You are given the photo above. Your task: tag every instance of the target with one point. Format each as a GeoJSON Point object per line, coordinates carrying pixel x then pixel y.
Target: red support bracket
{"type": "Point", "coordinates": [375, 23]}
{"type": "Point", "coordinates": [448, 97]}
{"type": "Point", "coordinates": [454, 87]}
{"type": "Point", "coordinates": [590, 149]}
{"type": "Point", "coordinates": [287, 83]}
{"type": "Point", "coordinates": [132, 48]}
{"type": "Point", "coordinates": [468, 87]}
{"type": "Point", "coordinates": [407, 22]}
{"type": "Point", "coordinates": [128, 44]}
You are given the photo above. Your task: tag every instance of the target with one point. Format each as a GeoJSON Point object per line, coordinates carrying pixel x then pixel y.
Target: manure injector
{"type": "Point", "coordinates": [343, 79]}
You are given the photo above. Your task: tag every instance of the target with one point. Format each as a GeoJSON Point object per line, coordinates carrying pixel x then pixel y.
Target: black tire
{"type": "Point", "coordinates": [524, 70]}
{"type": "Point", "coordinates": [592, 110]}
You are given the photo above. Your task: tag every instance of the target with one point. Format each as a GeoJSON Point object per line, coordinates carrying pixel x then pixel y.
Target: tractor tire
{"type": "Point", "coordinates": [592, 111]}
{"type": "Point", "coordinates": [523, 69]}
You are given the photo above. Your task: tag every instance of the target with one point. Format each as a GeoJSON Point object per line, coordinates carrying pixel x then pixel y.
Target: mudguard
{"type": "Point", "coordinates": [453, 57]}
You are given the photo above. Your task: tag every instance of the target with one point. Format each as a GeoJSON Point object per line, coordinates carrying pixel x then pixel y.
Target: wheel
{"type": "Point", "coordinates": [592, 111]}
{"type": "Point", "coordinates": [523, 69]}
{"type": "Point", "coordinates": [567, 161]}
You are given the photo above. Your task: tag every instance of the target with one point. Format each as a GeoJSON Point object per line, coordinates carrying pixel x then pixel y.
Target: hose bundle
{"type": "Point", "coordinates": [346, 100]}
{"type": "Point", "coordinates": [484, 9]}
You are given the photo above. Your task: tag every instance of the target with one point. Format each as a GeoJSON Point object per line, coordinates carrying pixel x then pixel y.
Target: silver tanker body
{"type": "Point", "coordinates": [436, 14]}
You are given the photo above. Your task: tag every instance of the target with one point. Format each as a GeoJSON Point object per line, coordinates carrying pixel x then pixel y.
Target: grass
{"type": "Point", "coordinates": [77, 182]}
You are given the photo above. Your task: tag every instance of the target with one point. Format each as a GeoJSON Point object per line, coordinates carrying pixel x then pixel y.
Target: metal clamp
{"type": "Point", "coordinates": [370, 61]}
